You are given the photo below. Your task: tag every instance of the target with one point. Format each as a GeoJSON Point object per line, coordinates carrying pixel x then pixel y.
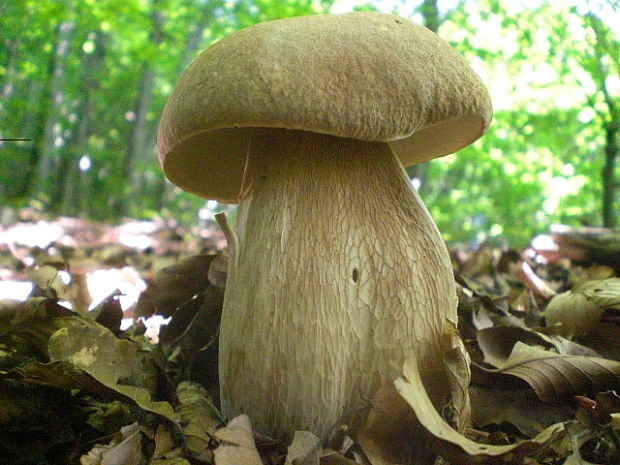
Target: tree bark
{"type": "Point", "coordinates": [431, 20]}
{"type": "Point", "coordinates": [75, 190]}
{"type": "Point", "coordinates": [163, 189]}
{"type": "Point", "coordinates": [611, 124]}
{"type": "Point", "coordinates": [8, 87]}
{"type": "Point", "coordinates": [609, 175]}
{"type": "Point", "coordinates": [53, 130]}
{"type": "Point", "coordinates": [141, 141]}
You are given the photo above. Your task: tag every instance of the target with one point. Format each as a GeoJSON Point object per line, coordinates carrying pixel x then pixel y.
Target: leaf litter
{"type": "Point", "coordinates": [83, 386]}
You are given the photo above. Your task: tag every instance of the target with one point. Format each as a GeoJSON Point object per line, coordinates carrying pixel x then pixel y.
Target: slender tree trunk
{"type": "Point", "coordinates": [609, 174]}
{"type": "Point", "coordinates": [33, 127]}
{"type": "Point", "coordinates": [140, 144]}
{"type": "Point", "coordinates": [74, 197]}
{"type": "Point", "coordinates": [53, 137]}
{"type": "Point", "coordinates": [8, 86]}
{"type": "Point", "coordinates": [430, 14]}
{"type": "Point", "coordinates": [163, 188]}
{"type": "Point", "coordinates": [193, 42]}
{"type": "Point", "coordinates": [611, 125]}
{"type": "Point", "coordinates": [432, 20]}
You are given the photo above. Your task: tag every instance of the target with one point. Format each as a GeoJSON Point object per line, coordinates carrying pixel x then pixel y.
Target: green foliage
{"type": "Point", "coordinates": [541, 160]}
{"type": "Point", "coordinates": [540, 163]}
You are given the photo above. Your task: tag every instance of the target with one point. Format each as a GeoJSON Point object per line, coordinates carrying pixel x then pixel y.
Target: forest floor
{"type": "Point", "coordinates": [108, 351]}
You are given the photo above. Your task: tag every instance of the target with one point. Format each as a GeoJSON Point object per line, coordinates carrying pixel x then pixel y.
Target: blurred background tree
{"type": "Point", "coordinates": [86, 80]}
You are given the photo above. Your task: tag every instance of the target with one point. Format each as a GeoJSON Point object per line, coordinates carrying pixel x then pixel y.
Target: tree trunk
{"type": "Point", "coordinates": [8, 87]}
{"type": "Point", "coordinates": [612, 121]}
{"type": "Point", "coordinates": [609, 175]}
{"type": "Point", "coordinates": [163, 189]}
{"type": "Point", "coordinates": [33, 127]}
{"type": "Point", "coordinates": [53, 131]}
{"type": "Point", "coordinates": [141, 142]}
{"type": "Point", "coordinates": [193, 42]}
{"type": "Point", "coordinates": [431, 19]}
{"type": "Point", "coordinates": [74, 192]}
{"type": "Point", "coordinates": [430, 15]}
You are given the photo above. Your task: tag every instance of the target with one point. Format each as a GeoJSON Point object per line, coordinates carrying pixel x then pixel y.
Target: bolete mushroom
{"type": "Point", "coordinates": [339, 273]}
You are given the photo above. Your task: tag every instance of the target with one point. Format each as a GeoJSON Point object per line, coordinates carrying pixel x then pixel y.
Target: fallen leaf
{"type": "Point", "coordinates": [574, 313]}
{"type": "Point", "coordinates": [531, 280]}
{"type": "Point", "coordinates": [174, 461]}
{"type": "Point", "coordinates": [450, 444]}
{"type": "Point", "coordinates": [218, 271]}
{"type": "Point", "coordinates": [518, 407]}
{"type": "Point", "coordinates": [334, 458]}
{"type": "Point", "coordinates": [111, 361]}
{"type": "Point", "coordinates": [304, 450]}
{"type": "Point", "coordinates": [126, 451]}
{"type": "Point", "coordinates": [498, 342]}
{"type": "Point", "coordinates": [237, 444]}
{"type": "Point", "coordinates": [174, 285]}
{"type": "Point", "coordinates": [555, 377]}
{"type": "Point", "coordinates": [200, 419]}
{"type": "Point", "coordinates": [109, 312]}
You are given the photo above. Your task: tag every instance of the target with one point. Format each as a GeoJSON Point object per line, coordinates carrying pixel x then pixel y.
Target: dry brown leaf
{"type": "Point", "coordinates": [498, 342]}
{"type": "Point", "coordinates": [199, 417]}
{"type": "Point", "coordinates": [573, 313]}
{"type": "Point", "coordinates": [554, 377]}
{"type": "Point", "coordinates": [452, 445]}
{"type": "Point", "coordinates": [604, 293]}
{"type": "Point", "coordinates": [123, 450]}
{"type": "Point", "coordinates": [237, 444]}
{"type": "Point", "coordinates": [218, 271]}
{"type": "Point", "coordinates": [518, 407]}
{"type": "Point", "coordinates": [334, 458]}
{"type": "Point", "coordinates": [578, 312]}
{"type": "Point", "coordinates": [174, 285]}
{"type": "Point", "coordinates": [304, 450]}
{"type": "Point", "coordinates": [598, 272]}
{"type": "Point", "coordinates": [531, 280]}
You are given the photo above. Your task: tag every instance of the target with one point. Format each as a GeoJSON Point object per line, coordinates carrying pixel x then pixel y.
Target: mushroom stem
{"type": "Point", "coordinates": [341, 273]}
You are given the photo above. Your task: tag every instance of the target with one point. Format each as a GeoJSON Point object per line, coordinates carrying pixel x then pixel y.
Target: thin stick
{"type": "Point", "coordinates": [229, 234]}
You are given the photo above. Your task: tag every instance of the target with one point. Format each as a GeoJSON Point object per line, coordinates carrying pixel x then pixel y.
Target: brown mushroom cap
{"type": "Point", "coordinates": [368, 76]}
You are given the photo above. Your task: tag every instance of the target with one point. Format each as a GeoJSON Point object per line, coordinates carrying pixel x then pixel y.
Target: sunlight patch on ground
{"type": "Point", "coordinates": [102, 283]}
{"type": "Point", "coordinates": [40, 234]}
{"type": "Point", "coordinates": [15, 290]}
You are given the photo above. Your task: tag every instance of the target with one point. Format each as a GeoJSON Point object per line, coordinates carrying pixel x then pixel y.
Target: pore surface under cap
{"type": "Point", "coordinates": [367, 76]}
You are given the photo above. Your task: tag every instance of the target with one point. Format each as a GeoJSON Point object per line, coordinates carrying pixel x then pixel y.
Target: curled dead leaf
{"type": "Point", "coordinates": [304, 450]}
{"type": "Point", "coordinates": [237, 444]}
{"type": "Point", "coordinates": [554, 376]}
{"type": "Point", "coordinates": [574, 313]}
{"type": "Point", "coordinates": [450, 444]}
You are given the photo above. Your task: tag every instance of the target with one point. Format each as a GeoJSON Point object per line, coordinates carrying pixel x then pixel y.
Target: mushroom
{"type": "Point", "coordinates": [337, 273]}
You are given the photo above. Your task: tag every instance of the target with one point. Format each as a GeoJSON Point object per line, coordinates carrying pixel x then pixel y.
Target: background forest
{"type": "Point", "coordinates": [86, 81]}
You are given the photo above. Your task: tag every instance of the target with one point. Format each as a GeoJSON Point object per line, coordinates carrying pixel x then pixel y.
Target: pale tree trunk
{"type": "Point", "coordinates": [195, 38]}
{"type": "Point", "coordinates": [8, 87]}
{"type": "Point", "coordinates": [163, 190]}
{"type": "Point", "coordinates": [141, 143]}
{"type": "Point", "coordinates": [53, 131]}
{"type": "Point", "coordinates": [611, 123]}
{"type": "Point", "coordinates": [75, 196]}
{"type": "Point", "coordinates": [32, 127]}
{"type": "Point", "coordinates": [432, 21]}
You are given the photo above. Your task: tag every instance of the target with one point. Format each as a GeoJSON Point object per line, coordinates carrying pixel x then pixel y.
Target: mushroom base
{"type": "Point", "coordinates": [339, 275]}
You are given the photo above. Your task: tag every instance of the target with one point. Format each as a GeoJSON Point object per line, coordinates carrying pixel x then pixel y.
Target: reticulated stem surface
{"type": "Point", "coordinates": [340, 273]}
